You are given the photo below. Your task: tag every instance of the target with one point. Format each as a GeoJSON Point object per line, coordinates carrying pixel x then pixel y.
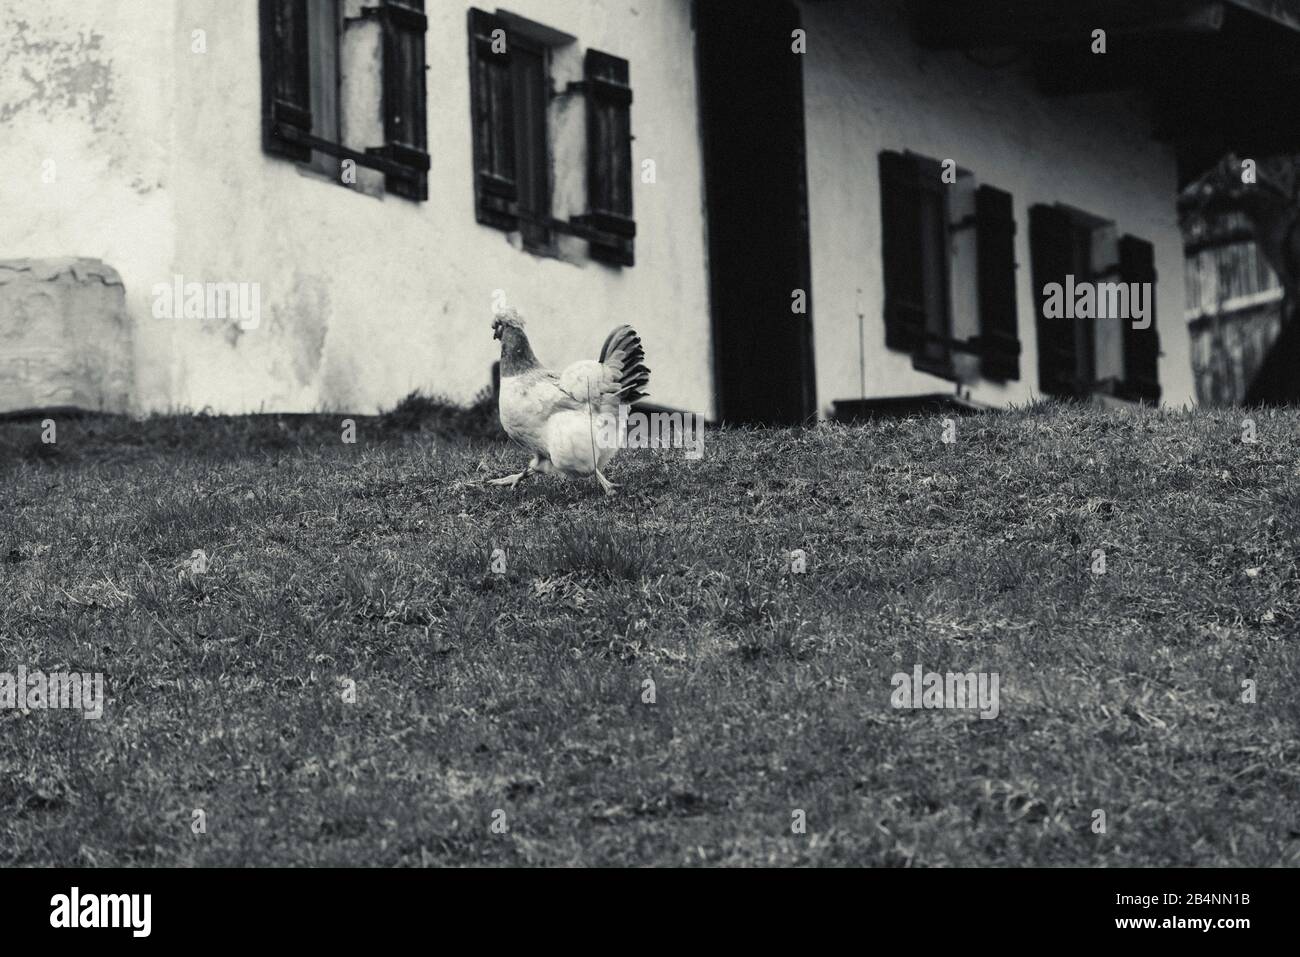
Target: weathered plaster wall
{"type": "Point", "coordinates": [85, 140]}
{"type": "Point", "coordinates": [364, 298]}
{"type": "Point", "coordinates": [868, 88]}
{"type": "Point", "coordinates": [159, 172]}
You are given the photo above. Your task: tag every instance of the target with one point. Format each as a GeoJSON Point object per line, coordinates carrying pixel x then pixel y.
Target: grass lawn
{"type": "Point", "coordinates": [334, 566]}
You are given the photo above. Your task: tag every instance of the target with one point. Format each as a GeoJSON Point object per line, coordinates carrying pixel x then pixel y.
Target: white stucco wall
{"type": "Point", "coordinates": [362, 298]}
{"type": "Point", "coordinates": [365, 299]}
{"type": "Point", "coordinates": [86, 142]}
{"type": "Point", "coordinates": [868, 88]}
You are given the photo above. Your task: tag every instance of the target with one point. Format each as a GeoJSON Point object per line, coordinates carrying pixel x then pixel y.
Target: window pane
{"type": "Point", "coordinates": [964, 268]}
{"type": "Point", "coordinates": [1110, 349]}
{"type": "Point", "coordinates": [532, 150]}
{"type": "Point", "coordinates": [323, 43]}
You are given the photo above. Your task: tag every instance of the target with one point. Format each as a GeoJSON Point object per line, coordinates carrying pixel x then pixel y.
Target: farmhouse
{"type": "Point", "coordinates": [805, 208]}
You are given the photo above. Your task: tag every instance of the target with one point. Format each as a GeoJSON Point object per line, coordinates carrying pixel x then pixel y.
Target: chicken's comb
{"type": "Point", "coordinates": [508, 317]}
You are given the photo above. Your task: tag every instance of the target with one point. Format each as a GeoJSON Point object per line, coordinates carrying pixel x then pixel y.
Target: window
{"type": "Point", "coordinates": [303, 61]}
{"type": "Point", "coordinates": [949, 269]}
{"type": "Point", "coordinates": [516, 129]}
{"type": "Point", "coordinates": [1087, 353]}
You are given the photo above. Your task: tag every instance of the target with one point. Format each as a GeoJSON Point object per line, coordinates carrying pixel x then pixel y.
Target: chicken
{"type": "Point", "coordinates": [568, 421]}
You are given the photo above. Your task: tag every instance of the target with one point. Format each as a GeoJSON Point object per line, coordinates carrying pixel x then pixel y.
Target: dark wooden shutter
{"type": "Point", "coordinates": [496, 191]}
{"type": "Point", "coordinates": [286, 78]}
{"type": "Point", "coordinates": [995, 245]}
{"type": "Point", "coordinates": [1137, 263]}
{"type": "Point", "coordinates": [530, 92]}
{"type": "Point", "coordinates": [902, 251]}
{"type": "Point", "coordinates": [1051, 248]}
{"type": "Point", "coordinates": [406, 139]}
{"type": "Point", "coordinates": [609, 156]}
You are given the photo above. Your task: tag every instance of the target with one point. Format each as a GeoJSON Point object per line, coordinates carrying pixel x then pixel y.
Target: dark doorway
{"type": "Point", "coordinates": [751, 102]}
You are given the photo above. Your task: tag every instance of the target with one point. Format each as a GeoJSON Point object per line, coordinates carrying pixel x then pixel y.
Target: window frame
{"type": "Point", "coordinates": [494, 119]}
{"type": "Point", "coordinates": [905, 179]}
{"type": "Point", "coordinates": [533, 154]}
{"type": "Point", "coordinates": [288, 128]}
{"type": "Point", "coordinates": [1084, 229]}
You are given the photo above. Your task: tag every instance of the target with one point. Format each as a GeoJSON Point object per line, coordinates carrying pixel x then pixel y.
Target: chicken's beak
{"type": "Point", "coordinates": [496, 330]}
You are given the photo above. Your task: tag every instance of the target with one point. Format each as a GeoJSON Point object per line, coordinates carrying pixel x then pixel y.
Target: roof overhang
{"type": "Point", "coordinates": [1222, 75]}
{"type": "Point", "coordinates": [1284, 12]}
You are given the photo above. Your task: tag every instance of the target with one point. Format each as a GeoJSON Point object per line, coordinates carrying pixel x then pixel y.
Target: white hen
{"type": "Point", "coordinates": [566, 420]}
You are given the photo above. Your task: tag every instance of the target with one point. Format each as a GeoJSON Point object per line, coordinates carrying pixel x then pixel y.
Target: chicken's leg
{"type": "Point", "coordinates": [605, 483]}
{"type": "Point", "coordinates": [513, 480]}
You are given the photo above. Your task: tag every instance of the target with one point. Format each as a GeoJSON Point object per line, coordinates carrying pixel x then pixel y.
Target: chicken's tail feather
{"type": "Point", "coordinates": [622, 351]}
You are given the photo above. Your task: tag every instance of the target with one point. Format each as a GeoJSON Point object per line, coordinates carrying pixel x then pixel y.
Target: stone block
{"type": "Point", "coordinates": [65, 336]}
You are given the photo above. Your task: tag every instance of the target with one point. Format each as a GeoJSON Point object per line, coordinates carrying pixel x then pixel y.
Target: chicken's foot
{"type": "Point", "coordinates": [512, 480]}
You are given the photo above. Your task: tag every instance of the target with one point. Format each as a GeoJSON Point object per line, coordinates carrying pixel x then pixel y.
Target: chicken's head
{"type": "Point", "coordinates": [506, 318]}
